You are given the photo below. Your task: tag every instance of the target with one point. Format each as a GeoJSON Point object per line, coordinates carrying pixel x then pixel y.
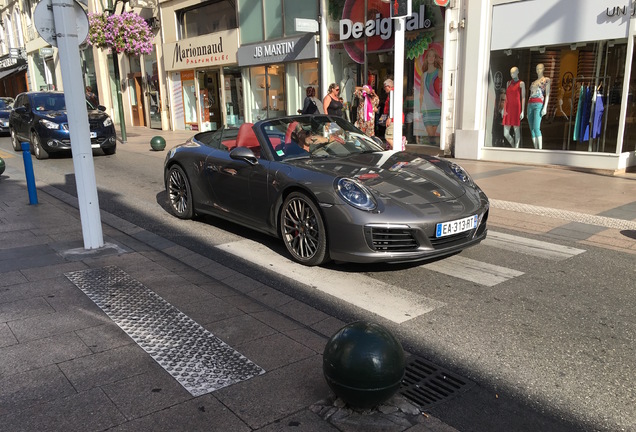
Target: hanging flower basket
{"type": "Point", "coordinates": [127, 33]}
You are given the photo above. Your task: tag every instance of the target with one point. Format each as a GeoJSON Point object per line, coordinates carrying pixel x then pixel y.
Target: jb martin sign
{"type": "Point", "coordinates": [281, 51]}
{"type": "Point", "coordinates": [214, 49]}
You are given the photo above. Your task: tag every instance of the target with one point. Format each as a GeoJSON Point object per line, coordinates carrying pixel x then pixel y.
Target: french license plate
{"type": "Point", "coordinates": [93, 134]}
{"type": "Point", "coordinates": [456, 226]}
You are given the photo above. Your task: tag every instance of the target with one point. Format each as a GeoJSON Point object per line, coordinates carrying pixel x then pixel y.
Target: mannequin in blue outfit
{"type": "Point", "coordinates": [538, 105]}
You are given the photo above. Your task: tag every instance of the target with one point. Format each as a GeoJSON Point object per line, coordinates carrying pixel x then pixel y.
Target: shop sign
{"type": "Point", "coordinates": [285, 50]}
{"type": "Point", "coordinates": [618, 11]}
{"type": "Point", "coordinates": [8, 62]}
{"type": "Point", "coordinates": [214, 49]}
{"type": "Point", "coordinates": [382, 27]}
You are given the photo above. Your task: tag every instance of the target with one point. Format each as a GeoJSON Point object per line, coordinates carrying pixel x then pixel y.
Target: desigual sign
{"type": "Point", "coordinates": [382, 27]}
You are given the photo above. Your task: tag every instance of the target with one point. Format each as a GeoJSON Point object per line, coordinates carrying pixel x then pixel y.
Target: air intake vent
{"type": "Point", "coordinates": [393, 239]}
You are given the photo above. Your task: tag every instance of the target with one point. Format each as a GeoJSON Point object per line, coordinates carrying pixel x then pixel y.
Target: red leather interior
{"type": "Point", "coordinates": [247, 138]}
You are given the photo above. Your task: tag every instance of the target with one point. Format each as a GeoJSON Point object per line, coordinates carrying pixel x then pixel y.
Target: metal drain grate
{"type": "Point", "coordinates": [196, 358]}
{"type": "Point", "coordinates": [427, 384]}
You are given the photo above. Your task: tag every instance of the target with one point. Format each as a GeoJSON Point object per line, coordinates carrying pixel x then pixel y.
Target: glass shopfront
{"type": "Point", "coordinates": [578, 109]}
{"type": "Point", "coordinates": [360, 50]}
{"type": "Point", "coordinates": [276, 75]}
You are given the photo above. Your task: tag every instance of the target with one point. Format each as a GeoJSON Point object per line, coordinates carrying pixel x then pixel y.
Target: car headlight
{"type": "Point", "coordinates": [49, 124]}
{"type": "Point", "coordinates": [356, 194]}
{"type": "Point", "coordinates": [108, 121]}
{"type": "Point", "coordinates": [461, 174]}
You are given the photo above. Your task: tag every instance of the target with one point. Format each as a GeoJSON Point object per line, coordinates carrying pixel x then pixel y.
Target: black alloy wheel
{"type": "Point", "coordinates": [179, 193]}
{"type": "Point", "coordinates": [303, 230]}
{"type": "Point", "coordinates": [14, 141]}
{"type": "Point", "coordinates": [40, 153]}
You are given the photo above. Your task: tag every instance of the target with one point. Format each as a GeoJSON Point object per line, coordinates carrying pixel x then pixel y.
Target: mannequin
{"type": "Point", "coordinates": [538, 104]}
{"type": "Point", "coordinates": [514, 107]}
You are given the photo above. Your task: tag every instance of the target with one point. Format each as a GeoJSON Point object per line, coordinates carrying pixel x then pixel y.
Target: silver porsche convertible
{"type": "Point", "coordinates": [328, 190]}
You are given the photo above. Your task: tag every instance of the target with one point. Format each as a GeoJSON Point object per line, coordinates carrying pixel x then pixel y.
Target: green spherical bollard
{"type": "Point", "coordinates": [363, 364]}
{"type": "Point", "coordinates": [158, 143]}
{"type": "Point", "coordinates": [2, 166]}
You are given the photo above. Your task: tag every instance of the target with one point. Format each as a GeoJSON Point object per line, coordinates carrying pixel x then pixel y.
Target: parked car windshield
{"type": "Point", "coordinates": [49, 102]}
{"type": "Point", "coordinates": [315, 136]}
{"type": "Point", "coordinates": [6, 103]}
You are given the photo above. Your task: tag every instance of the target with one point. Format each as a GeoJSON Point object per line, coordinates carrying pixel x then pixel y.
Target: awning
{"type": "Point", "coordinates": [10, 71]}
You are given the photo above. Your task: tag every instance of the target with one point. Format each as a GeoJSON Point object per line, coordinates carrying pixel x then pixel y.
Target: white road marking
{"type": "Point", "coordinates": [473, 271]}
{"type": "Point", "coordinates": [387, 301]}
{"type": "Point", "coordinates": [532, 247]}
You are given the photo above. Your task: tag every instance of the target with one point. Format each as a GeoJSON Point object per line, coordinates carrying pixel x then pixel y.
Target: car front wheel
{"type": "Point", "coordinates": [40, 153]}
{"type": "Point", "coordinates": [179, 193]}
{"type": "Point", "coordinates": [303, 230]}
{"type": "Point", "coordinates": [14, 141]}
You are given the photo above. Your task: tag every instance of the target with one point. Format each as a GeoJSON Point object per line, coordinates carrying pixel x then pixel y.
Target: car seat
{"type": "Point", "coordinates": [247, 138]}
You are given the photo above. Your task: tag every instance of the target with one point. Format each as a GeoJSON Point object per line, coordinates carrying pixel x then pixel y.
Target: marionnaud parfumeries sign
{"type": "Point", "coordinates": [280, 51]}
{"type": "Point", "coordinates": [210, 50]}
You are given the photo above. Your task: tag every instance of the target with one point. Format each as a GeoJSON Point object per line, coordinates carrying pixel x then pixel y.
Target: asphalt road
{"type": "Point", "coordinates": [545, 340]}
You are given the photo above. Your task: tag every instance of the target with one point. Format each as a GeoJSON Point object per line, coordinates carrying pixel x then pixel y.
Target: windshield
{"type": "Point", "coordinates": [49, 102]}
{"type": "Point", "coordinates": [6, 103]}
{"type": "Point", "coordinates": [318, 136]}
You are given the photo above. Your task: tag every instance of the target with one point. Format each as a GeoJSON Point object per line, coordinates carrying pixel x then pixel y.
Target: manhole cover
{"type": "Point", "coordinates": [427, 384]}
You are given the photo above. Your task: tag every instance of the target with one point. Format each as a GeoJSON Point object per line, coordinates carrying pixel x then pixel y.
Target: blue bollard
{"type": "Point", "coordinates": [28, 171]}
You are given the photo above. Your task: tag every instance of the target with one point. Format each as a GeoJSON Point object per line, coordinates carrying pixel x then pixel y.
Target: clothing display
{"type": "Point", "coordinates": [367, 106]}
{"type": "Point", "coordinates": [599, 109]}
{"type": "Point", "coordinates": [512, 108]}
{"type": "Point", "coordinates": [431, 98]}
{"type": "Point", "coordinates": [534, 118]}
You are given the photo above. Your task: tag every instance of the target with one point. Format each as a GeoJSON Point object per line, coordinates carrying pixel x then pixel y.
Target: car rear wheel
{"type": "Point", "coordinates": [40, 153]}
{"type": "Point", "coordinates": [179, 193]}
{"type": "Point", "coordinates": [14, 141]}
{"type": "Point", "coordinates": [303, 230]}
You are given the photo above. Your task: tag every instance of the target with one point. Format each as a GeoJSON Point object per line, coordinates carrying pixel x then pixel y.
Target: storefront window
{"type": "Point", "coordinates": [629, 140]}
{"type": "Point", "coordinates": [307, 9]}
{"type": "Point", "coordinates": [233, 96]}
{"type": "Point", "coordinates": [207, 18]}
{"type": "Point", "coordinates": [357, 58]}
{"type": "Point", "coordinates": [152, 83]}
{"type": "Point", "coordinates": [268, 91]}
{"type": "Point", "coordinates": [273, 19]}
{"type": "Point", "coordinates": [562, 97]}
{"type": "Point", "coordinates": [251, 20]}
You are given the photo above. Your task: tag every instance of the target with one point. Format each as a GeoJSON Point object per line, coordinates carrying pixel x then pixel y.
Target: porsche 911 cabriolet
{"type": "Point", "coordinates": [328, 190]}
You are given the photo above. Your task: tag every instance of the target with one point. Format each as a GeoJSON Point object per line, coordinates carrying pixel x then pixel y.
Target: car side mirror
{"type": "Point", "coordinates": [101, 108]}
{"type": "Point", "coordinates": [20, 109]}
{"type": "Point", "coordinates": [245, 154]}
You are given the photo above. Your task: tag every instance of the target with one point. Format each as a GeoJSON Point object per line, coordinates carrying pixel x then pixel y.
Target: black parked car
{"type": "Point", "coordinates": [6, 105]}
{"type": "Point", "coordinates": [40, 118]}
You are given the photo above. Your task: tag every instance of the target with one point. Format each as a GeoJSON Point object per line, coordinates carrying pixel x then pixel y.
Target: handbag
{"type": "Point", "coordinates": [382, 119]}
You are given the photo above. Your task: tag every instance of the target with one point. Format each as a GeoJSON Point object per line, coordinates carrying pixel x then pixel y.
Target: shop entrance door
{"type": "Point", "coordinates": [137, 100]}
{"type": "Point", "coordinates": [209, 99]}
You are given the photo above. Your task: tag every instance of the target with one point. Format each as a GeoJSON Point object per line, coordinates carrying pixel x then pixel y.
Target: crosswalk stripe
{"type": "Point", "coordinates": [472, 270]}
{"type": "Point", "coordinates": [532, 247]}
{"type": "Point", "coordinates": [385, 300]}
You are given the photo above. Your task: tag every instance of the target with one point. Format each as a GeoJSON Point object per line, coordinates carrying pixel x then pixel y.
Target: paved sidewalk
{"type": "Point", "coordinates": [109, 339]}
{"type": "Point", "coordinates": [65, 365]}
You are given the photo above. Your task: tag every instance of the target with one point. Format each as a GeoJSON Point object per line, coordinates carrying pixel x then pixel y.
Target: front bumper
{"type": "Point", "coordinates": [366, 238]}
{"type": "Point", "coordinates": [61, 140]}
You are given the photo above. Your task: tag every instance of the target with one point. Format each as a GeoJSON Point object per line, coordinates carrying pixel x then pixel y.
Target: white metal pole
{"type": "Point", "coordinates": [324, 53]}
{"type": "Point", "coordinates": [398, 83]}
{"type": "Point", "coordinates": [446, 74]}
{"type": "Point", "coordinates": [68, 44]}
